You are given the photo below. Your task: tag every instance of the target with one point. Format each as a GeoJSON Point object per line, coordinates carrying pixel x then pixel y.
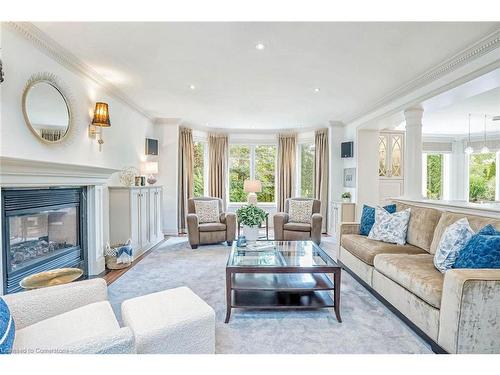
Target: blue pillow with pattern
{"type": "Point", "coordinates": [482, 251]}
{"type": "Point", "coordinates": [368, 218]}
{"type": "Point", "coordinates": [7, 328]}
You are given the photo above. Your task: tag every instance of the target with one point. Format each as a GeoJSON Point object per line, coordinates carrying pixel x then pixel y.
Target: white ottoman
{"type": "Point", "coordinates": [174, 321]}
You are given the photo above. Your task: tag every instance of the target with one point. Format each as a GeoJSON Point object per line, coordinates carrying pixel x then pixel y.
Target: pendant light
{"type": "Point", "coordinates": [484, 149]}
{"type": "Point", "coordinates": [469, 150]}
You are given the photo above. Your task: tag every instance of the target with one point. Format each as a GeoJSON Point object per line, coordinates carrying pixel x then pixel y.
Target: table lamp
{"type": "Point", "coordinates": [151, 168]}
{"type": "Point", "coordinates": [251, 187]}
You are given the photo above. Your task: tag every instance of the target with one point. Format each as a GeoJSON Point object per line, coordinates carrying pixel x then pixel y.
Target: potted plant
{"type": "Point", "coordinates": [251, 217]}
{"type": "Point", "coordinates": [346, 197]}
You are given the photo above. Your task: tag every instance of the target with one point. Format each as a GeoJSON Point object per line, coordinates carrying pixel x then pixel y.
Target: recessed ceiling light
{"type": "Point", "coordinates": [317, 89]}
{"type": "Point", "coordinates": [260, 46]}
{"type": "Point", "coordinates": [192, 87]}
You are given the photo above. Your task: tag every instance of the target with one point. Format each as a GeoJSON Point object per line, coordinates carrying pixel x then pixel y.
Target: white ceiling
{"type": "Point", "coordinates": [238, 86]}
{"type": "Point", "coordinates": [453, 120]}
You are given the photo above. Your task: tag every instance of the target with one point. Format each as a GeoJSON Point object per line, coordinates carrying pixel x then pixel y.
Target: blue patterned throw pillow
{"type": "Point", "coordinates": [482, 251]}
{"type": "Point", "coordinates": [368, 218]}
{"type": "Point", "coordinates": [453, 240]}
{"type": "Point", "coordinates": [7, 328]}
{"type": "Point", "coordinates": [390, 228]}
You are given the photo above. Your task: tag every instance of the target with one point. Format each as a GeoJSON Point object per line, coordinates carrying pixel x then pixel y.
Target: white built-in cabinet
{"type": "Point", "coordinates": [135, 213]}
{"type": "Point", "coordinates": [390, 164]}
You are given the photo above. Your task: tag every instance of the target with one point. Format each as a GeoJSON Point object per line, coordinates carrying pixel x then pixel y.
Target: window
{"type": "Point", "coordinates": [482, 177]}
{"type": "Point", "coordinates": [306, 170]}
{"type": "Point", "coordinates": [249, 163]}
{"type": "Point", "coordinates": [199, 169]}
{"type": "Point", "coordinates": [239, 171]}
{"type": "Point", "coordinates": [434, 176]}
{"type": "Point", "coordinates": [265, 171]}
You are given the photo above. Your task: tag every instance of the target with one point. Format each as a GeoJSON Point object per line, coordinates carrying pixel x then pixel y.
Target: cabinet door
{"type": "Point", "coordinates": [135, 214]}
{"type": "Point", "coordinates": [159, 231]}
{"type": "Point", "coordinates": [144, 215]}
{"type": "Point", "coordinates": [383, 155]}
{"type": "Point", "coordinates": [396, 156]}
{"type": "Point", "coordinates": [152, 216]}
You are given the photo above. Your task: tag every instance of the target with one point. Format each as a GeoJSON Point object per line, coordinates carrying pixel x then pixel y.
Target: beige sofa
{"type": "Point", "coordinates": [456, 312]}
{"type": "Point", "coordinates": [284, 230]}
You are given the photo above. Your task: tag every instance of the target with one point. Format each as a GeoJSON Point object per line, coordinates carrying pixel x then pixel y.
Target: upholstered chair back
{"type": "Point", "coordinates": [191, 208]}
{"type": "Point", "coordinates": [316, 204]}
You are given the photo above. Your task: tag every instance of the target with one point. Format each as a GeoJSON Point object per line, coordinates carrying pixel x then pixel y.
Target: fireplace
{"type": "Point", "coordinates": [43, 229]}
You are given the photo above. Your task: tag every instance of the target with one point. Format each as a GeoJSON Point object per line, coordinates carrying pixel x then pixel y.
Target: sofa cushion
{"type": "Point", "coordinates": [368, 218]}
{"type": "Point", "coordinates": [365, 249]}
{"type": "Point", "coordinates": [211, 227]}
{"type": "Point", "coordinates": [448, 218]}
{"type": "Point", "coordinates": [299, 227]}
{"type": "Point", "coordinates": [57, 333]}
{"type": "Point", "coordinates": [421, 227]}
{"type": "Point", "coordinates": [390, 228]}
{"type": "Point", "coordinates": [453, 240]}
{"type": "Point", "coordinates": [415, 273]}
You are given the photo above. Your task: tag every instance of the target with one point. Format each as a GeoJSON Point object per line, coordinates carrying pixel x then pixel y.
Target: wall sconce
{"type": "Point", "coordinates": [100, 120]}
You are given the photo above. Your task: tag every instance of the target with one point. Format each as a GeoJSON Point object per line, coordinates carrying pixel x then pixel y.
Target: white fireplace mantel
{"type": "Point", "coordinates": [22, 172]}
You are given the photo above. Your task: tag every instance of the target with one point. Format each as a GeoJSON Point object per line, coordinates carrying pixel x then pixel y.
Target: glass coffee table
{"type": "Point", "coordinates": [281, 275]}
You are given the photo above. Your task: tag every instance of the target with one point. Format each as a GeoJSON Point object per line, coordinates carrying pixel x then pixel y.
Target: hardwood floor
{"type": "Point", "coordinates": [111, 276]}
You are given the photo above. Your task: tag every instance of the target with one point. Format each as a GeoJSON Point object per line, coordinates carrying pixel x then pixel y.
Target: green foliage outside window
{"type": "Point", "coordinates": [265, 165]}
{"type": "Point", "coordinates": [307, 171]}
{"type": "Point", "coordinates": [198, 178]}
{"type": "Point", "coordinates": [482, 179]}
{"type": "Point", "coordinates": [434, 176]}
{"type": "Point", "coordinates": [239, 171]}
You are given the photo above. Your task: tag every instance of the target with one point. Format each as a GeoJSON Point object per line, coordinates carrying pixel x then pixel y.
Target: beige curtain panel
{"type": "Point", "coordinates": [287, 144]}
{"type": "Point", "coordinates": [186, 157]}
{"type": "Point", "coordinates": [218, 157]}
{"type": "Point", "coordinates": [321, 167]}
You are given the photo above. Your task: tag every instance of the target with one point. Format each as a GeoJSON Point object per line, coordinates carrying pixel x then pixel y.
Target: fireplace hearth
{"type": "Point", "coordinates": [43, 229]}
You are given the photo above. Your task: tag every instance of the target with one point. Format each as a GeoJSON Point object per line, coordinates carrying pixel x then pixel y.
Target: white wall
{"type": "Point", "coordinates": [367, 173]}
{"type": "Point", "coordinates": [124, 140]}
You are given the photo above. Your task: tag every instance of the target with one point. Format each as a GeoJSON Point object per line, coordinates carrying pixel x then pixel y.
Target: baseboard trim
{"type": "Point", "coordinates": [434, 345]}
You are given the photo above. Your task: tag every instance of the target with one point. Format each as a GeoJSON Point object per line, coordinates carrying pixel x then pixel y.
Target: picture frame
{"type": "Point", "coordinates": [350, 177]}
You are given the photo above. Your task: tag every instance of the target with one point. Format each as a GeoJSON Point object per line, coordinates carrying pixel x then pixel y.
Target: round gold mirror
{"type": "Point", "coordinates": [46, 110]}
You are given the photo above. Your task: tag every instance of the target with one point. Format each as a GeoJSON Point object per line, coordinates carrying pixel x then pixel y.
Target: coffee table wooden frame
{"type": "Point", "coordinates": [283, 289]}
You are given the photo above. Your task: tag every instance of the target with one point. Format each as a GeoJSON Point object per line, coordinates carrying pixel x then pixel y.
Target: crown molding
{"type": "Point", "coordinates": [485, 45]}
{"type": "Point", "coordinates": [54, 50]}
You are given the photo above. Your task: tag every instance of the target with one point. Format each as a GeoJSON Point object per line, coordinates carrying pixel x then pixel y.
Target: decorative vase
{"type": "Point", "coordinates": [251, 233]}
{"type": "Point", "coordinates": [151, 180]}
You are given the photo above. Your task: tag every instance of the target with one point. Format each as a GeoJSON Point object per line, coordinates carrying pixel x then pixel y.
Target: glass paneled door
{"type": "Point", "coordinates": [390, 151]}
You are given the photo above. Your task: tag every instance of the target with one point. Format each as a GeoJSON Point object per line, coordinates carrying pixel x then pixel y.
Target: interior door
{"type": "Point", "coordinates": [152, 216]}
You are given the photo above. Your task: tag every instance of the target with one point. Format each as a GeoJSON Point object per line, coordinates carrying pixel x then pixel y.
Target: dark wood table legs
{"type": "Point", "coordinates": [336, 296]}
{"type": "Point", "coordinates": [228, 296]}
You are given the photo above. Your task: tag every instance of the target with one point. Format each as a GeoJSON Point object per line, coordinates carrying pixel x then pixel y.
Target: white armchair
{"type": "Point", "coordinates": [70, 318]}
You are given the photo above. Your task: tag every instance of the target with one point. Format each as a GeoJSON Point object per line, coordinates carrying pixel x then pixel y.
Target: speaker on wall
{"type": "Point", "coordinates": [346, 149]}
{"type": "Point", "coordinates": [151, 146]}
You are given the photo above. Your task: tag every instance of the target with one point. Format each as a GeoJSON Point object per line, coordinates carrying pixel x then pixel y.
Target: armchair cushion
{"type": "Point", "coordinates": [299, 227]}
{"type": "Point", "coordinates": [56, 334]}
{"type": "Point", "coordinates": [207, 211]}
{"type": "Point", "coordinates": [300, 211]}
{"type": "Point", "coordinates": [211, 227]}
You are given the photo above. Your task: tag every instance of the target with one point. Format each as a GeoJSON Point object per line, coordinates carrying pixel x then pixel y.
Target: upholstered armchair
{"type": "Point", "coordinates": [285, 230]}
{"type": "Point", "coordinates": [210, 233]}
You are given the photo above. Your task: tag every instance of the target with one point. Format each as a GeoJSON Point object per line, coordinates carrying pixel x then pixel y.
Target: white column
{"type": "Point", "coordinates": [458, 175]}
{"type": "Point", "coordinates": [95, 230]}
{"type": "Point", "coordinates": [413, 153]}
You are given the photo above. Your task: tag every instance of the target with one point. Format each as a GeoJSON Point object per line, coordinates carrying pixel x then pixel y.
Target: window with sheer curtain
{"type": "Point", "coordinates": [306, 170]}
{"type": "Point", "coordinates": [199, 169]}
{"type": "Point", "coordinates": [252, 162]}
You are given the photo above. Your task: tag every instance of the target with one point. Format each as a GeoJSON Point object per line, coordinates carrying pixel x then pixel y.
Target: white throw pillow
{"type": "Point", "coordinates": [300, 211]}
{"type": "Point", "coordinates": [207, 211]}
{"type": "Point", "coordinates": [453, 240]}
{"type": "Point", "coordinates": [390, 228]}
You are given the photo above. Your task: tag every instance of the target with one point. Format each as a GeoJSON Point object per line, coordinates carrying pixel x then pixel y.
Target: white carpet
{"type": "Point", "coordinates": [367, 327]}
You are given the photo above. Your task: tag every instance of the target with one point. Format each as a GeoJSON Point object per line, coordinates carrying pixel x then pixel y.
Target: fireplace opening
{"type": "Point", "coordinates": [44, 229]}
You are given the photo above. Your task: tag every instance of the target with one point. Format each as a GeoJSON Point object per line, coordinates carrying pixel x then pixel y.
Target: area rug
{"type": "Point", "coordinates": [367, 327]}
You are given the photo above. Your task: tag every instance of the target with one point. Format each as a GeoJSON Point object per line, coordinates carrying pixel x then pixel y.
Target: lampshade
{"type": "Point", "coordinates": [101, 115]}
{"type": "Point", "coordinates": [151, 167]}
{"type": "Point", "coordinates": [252, 186]}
